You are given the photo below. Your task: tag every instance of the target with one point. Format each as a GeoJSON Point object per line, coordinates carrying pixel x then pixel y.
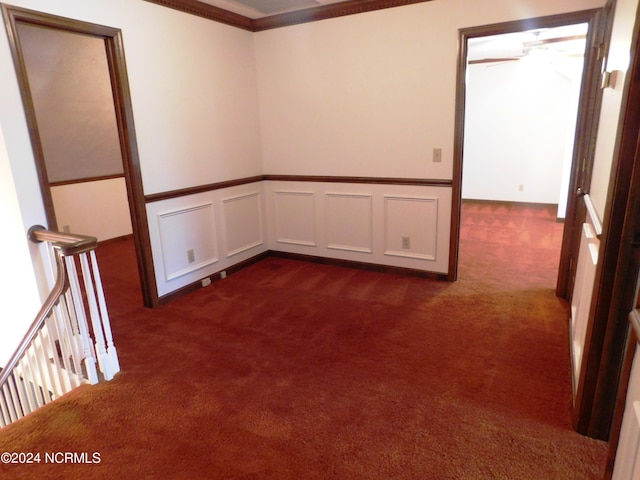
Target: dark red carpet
{"type": "Point", "coordinates": [293, 370]}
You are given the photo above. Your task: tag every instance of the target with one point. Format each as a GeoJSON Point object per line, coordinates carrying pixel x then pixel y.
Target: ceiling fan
{"type": "Point", "coordinates": [553, 46]}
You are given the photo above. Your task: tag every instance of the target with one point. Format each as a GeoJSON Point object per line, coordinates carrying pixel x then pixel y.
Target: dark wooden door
{"type": "Point", "coordinates": [584, 148]}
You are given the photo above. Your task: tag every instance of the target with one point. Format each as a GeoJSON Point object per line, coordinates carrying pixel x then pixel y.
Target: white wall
{"type": "Point", "coordinates": [19, 302]}
{"type": "Point", "coordinates": [516, 129]}
{"type": "Point", "coordinates": [617, 60]}
{"type": "Point", "coordinates": [76, 205]}
{"type": "Point", "coordinates": [372, 94]}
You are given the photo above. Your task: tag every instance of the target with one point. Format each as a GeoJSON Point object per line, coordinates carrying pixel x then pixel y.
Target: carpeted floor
{"type": "Point", "coordinates": [293, 370]}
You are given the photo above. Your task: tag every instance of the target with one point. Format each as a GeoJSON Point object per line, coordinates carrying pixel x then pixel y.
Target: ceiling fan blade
{"type": "Point", "coordinates": [494, 60]}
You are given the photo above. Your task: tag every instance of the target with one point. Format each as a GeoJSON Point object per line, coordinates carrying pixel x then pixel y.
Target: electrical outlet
{"type": "Point", "coordinates": [521, 188]}
{"type": "Point", "coordinates": [66, 229]}
{"type": "Point", "coordinates": [191, 256]}
{"type": "Point", "coordinates": [406, 243]}
{"type": "Point", "coordinates": [437, 155]}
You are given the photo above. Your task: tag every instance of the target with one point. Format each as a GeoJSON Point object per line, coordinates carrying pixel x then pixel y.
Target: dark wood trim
{"type": "Point", "coordinates": [324, 12]}
{"type": "Point", "coordinates": [86, 180]}
{"type": "Point", "coordinates": [617, 271]}
{"type": "Point", "coordinates": [13, 15]}
{"type": "Point", "coordinates": [584, 149]}
{"type": "Point", "coordinates": [314, 14]}
{"type": "Point", "coordinates": [550, 21]}
{"type": "Point", "coordinates": [209, 12]}
{"type": "Point", "coordinates": [192, 287]}
{"type": "Point", "coordinates": [132, 170]}
{"type": "Point", "coordinates": [373, 267]}
{"type": "Point", "coordinates": [156, 197]}
{"type": "Point", "coordinates": [510, 203]}
{"type": "Point", "coordinates": [421, 182]}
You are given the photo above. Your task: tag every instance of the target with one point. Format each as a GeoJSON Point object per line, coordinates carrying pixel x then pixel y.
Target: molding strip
{"type": "Point", "coordinates": [209, 12]}
{"type": "Point", "coordinates": [373, 267]}
{"type": "Point", "coordinates": [421, 182]}
{"type": "Point", "coordinates": [86, 180]}
{"type": "Point", "coordinates": [183, 192]}
{"type": "Point", "coordinates": [323, 12]}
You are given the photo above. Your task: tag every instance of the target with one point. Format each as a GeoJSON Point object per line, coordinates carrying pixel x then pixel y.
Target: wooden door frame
{"type": "Point", "coordinates": [585, 16]}
{"type": "Point", "coordinates": [603, 375]}
{"type": "Point", "coordinates": [584, 150]}
{"type": "Point", "coordinates": [124, 116]}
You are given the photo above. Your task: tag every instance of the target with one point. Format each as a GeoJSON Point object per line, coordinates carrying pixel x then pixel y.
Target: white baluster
{"type": "Point", "coordinates": [4, 407]}
{"type": "Point", "coordinates": [81, 318]}
{"type": "Point", "coordinates": [15, 397]}
{"type": "Point", "coordinates": [28, 382]}
{"type": "Point", "coordinates": [70, 339]}
{"type": "Point", "coordinates": [52, 361]}
{"type": "Point", "coordinates": [101, 350]}
{"type": "Point", "coordinates": [106, 323]}
{"type": "Point", "coordinates": [40, 359]}
{"type": "Point", "coordinates": [61, 369]}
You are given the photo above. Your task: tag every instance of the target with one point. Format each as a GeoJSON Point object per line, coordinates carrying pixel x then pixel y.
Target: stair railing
{"type": "Point", "coordinates": [70, 341]}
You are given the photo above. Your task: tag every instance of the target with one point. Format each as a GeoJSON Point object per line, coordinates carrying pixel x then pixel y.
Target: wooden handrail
{"type": "Point", "coordinates": [64, 244]}
{"type": "Point", "coordinates": [69, 243]}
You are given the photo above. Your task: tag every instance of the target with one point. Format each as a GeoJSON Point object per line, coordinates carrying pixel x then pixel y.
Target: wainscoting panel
{"type": "Point", "coordinates": [583, 289]}
{"type": "Point", "coordinates": [188, 238]}
{"type": "Point", "coordinates": [361, 222]}
{"type": "Point", "coordinates": [349, 222]}
{"type": "Point", "coordinates": [243, 222]}
{"type": "Point", "coordinates": [411, 227]}
{"type": "Point", "coordinates": [295, 217]}
{"type": "Point", "coordinates": [223, 227]}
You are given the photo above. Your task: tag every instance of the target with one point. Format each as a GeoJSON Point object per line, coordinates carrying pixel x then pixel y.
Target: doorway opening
{"type": "Point", "coordinates": [521, 106]}
{"type": "Point", "coordinates": [83, 140]}
{"type": "Point", "coordinates": [535, 45]}
{"type": "Point", "coordinates": [522, 91]}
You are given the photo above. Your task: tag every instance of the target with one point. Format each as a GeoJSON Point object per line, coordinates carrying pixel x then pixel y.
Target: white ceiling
{"type": "Point", "coordinates": [264, 8]}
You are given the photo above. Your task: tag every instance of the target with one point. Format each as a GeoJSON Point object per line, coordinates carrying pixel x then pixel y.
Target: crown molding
{"type": "Point", "coordinates": [207, 11]}
{"type": "Point", "coordinates": [323, 12]}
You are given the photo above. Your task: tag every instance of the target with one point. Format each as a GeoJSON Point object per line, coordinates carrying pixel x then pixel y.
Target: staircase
{"type": "Point", "coordinates": [70, 341]}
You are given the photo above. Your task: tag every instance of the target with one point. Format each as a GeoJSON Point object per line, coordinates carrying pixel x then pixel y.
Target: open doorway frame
{"type": "Point", "coordinates": [589, 99]}
{"type": "Point", "coordinates": [585, 135]}
{"type": "Point", "coordinates": [114, 50]}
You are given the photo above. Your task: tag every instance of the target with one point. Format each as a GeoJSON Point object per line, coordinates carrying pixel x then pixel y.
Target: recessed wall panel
{"type": "Point", "coordinates": [349, 222]}
{"type": "Point", "coordinates": [411, 227]}
{"type": "Point", "coordinates": [188, 239]}
{"type": "Point", "coordinates": [243, 222]}
{"type": "Point", "coordinates": [295, 217]}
